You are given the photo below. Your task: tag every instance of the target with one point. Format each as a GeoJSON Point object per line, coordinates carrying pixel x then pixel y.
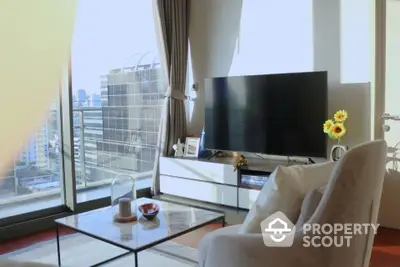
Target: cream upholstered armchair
{"type": "Point", "coordinates": [351, 196]}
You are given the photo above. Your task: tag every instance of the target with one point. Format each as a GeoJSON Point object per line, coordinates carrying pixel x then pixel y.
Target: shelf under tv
{"type": "Point", "coordinates": [252, 179]}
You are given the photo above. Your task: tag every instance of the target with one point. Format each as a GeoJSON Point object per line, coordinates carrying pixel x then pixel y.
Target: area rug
{"type": "Point", "coordinates": [80, 250]}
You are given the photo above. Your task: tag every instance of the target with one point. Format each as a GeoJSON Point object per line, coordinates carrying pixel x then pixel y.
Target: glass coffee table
{"type": "Point", "coordinates": [173, 220]}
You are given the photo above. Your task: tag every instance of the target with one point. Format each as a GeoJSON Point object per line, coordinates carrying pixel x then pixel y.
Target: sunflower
{"type": "Point", "coordinates": [338, 130]}
{"type": "Point", "coordinates": [327, 126]}
{"type": "Point", "coordinates": [340, 116]}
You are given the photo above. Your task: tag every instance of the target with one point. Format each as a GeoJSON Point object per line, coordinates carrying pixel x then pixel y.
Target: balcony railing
{"type": "Point", "coordinates": [127, 149]}
{"type": "Point", "coordinates": [104, 148]}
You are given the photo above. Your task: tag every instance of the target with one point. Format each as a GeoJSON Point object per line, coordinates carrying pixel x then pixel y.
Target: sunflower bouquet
{"type": "Point", "coordinates": [335, 128]}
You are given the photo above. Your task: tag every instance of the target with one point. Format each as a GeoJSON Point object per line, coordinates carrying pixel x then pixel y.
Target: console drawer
{"type": "Point", "coordinates": [247, 197]}
{"type": "Point", "coordinates": [209, 192]}
{"type": "Point", "coordinates": [198, 170]}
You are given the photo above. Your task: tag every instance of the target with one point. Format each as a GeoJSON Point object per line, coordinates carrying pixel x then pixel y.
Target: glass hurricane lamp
{"type": "Point", "coordinates": [123, 196]}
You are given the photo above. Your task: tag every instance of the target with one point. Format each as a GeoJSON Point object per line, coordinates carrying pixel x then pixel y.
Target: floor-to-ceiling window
{"type": "Point", "coordinates": [34, 180]}
{"type": "Point", "coordinates": [118, 91]}
{"type": "Point", "coordinates": [103, 122]}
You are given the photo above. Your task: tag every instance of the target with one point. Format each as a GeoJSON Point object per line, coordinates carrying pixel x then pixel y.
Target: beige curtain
{"type": "Point", "coordinates": [172, 19]}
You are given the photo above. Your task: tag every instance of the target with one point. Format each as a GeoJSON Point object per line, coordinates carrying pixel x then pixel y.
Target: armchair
{"type": "Point", "coordinates": [351, 196]}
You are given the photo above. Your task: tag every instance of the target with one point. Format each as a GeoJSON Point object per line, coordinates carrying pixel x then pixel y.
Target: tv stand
{"type": "Point", "coordinates": [216, 153]}
{"type": "Point", "coordinates": [214, 180]}
{"type": "Point", "coordinates": [310, 161]}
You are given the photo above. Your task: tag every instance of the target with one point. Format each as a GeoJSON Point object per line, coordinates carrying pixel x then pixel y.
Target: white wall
{"type": "Point", "coordinates": [356, 47]}
{"type": "Point", "coordinates": [268, 32]}
{"type": "Point", "coordinates": [335, 38]}
{"type": "Point", "coordinates": [213, 33]}
{"type": "Point", "coordinates": [234, 37]}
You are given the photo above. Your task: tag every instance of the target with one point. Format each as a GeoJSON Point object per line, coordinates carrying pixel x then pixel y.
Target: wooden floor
{"type": "Point", "coordinates": [386, 251]}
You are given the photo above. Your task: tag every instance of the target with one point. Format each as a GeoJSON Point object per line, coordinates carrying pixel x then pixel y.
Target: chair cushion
{"type": "Point", "coordinates": [284, 191]}
{"type": "Point", "coordinates": [310, 204]}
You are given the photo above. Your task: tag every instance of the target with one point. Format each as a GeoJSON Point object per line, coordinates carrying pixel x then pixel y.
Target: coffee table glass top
{"type": "Point", "coordinates": [171, 221]}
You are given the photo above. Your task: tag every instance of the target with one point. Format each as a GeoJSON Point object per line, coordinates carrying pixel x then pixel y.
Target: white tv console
{"type": "Point", "coordinates": [213, 181]}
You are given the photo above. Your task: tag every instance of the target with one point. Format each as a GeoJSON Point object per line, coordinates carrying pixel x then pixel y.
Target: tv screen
{"type": "Point", "coordinates": [275, 114]}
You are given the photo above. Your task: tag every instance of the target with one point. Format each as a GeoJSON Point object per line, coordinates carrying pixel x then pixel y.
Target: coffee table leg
{"type": "Point", "coordinates": [58, 245]}
{"type": "Point", "coordinates": [223, 221]}
{"type": "Point", "coordinates": [136, 259]}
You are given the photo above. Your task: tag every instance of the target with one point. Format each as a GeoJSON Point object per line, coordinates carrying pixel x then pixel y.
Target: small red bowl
{"type": "Point", "coordinates": [149, 210]}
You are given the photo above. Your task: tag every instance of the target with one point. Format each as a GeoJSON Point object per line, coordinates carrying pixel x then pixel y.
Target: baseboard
{"type": "Point", "coordinates": [29, 227]}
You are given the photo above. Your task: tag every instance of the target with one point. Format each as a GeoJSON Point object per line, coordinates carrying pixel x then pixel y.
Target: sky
{"type": "Point", "coordinates": [107, 35]}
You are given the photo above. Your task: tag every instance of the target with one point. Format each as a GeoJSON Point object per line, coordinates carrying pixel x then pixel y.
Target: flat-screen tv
{"type": "Point", "coordinates": [275, 114]}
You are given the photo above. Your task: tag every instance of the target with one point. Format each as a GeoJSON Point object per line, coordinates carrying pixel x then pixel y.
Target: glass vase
{"type": "Point", "coordinates": [123, 197]}
{"type": "Point", "coordinates": [338, 151]}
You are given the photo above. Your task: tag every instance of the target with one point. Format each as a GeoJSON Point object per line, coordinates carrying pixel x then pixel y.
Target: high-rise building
{"type": "Point", "coordinates": [81, 96]}
{"type": "Point", "coordinates": [132, 101]}
{"type": "Point", "coordinates": [80, 99]}
{"type": "Point", "coordinates": [94, 100]}
{"type": "Point", "coordinates": [33, 166]}
{"type": "Point", "coordinates": [36, 152]}
{"type": "Point", "coordinates": [86, 136]}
